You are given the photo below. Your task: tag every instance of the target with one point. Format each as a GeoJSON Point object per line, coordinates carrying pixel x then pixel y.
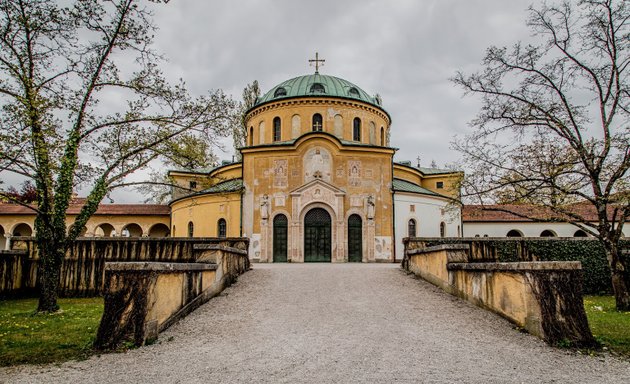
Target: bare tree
{"type": "Point", "coordinates": [554, 128]}
{"type": "Point", "coordinates": [84, 103]}
{"type": "Point", "coordinates": [239, 131]}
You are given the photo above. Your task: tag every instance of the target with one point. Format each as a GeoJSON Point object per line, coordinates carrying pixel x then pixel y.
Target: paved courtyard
{"type": "Point", "coordinates": [325, 323]}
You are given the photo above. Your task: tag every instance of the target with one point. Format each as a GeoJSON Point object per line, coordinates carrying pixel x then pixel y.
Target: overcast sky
{"type": "Point", "coordinates": [405, 50]}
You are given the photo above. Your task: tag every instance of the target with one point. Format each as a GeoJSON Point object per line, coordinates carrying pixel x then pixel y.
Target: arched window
{"type": "Point", "coordinates": [280, 92]}
{"type": "Point", "coordinates": [222, 230]}
{"type": "Point", "coordinates": [580, 233]}
{"type": "Point", "coordinates": [548, 233]}
{"type": "Point", "coordinates": [191, 229]}
{"type": "Point", "coordinates": [318, 124]}
{"type": "Point", "coordinates": [277, 129]}
{"type": "Point", "coordinates": [442, 229]}
{"type": "Point", "coordinates": [251, 135]}
{"type": "Point", "coordinates": [411, 228]}
{"type": "Point", "coordinates": [514, 233]}
{"type": "Point", "coordinates": [382, 136]}
{"type": "Point", "coordinates": [356, 129]}
{"type": "Point", "coordinates": [353, 92]}
{"type": "Point", "coordinates": [318, 88]}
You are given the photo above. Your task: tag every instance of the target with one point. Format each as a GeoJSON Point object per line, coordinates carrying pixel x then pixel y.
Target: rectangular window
{"type": "Point", "coordinates": [412, 208]}
{"type": "Point", "coordinates": [439, 185]}
{"type": "Point", "coordinates": [192, 185]}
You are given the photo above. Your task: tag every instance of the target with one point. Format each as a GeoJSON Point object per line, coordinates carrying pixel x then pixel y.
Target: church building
{"type": "Point", "coordinates": [317, 181]}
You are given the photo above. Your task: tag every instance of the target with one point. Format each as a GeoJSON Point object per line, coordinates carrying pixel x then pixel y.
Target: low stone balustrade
{"type": "Point", "coordinates": [545, 298]}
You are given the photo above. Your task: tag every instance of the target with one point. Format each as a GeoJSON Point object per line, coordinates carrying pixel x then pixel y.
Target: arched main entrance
{"type": "Point", "coordinates": [317, 236]}
{"type": "Point", "coordinates": [280, 225]}
{"type": "Point", "coordinates": [355, 239]}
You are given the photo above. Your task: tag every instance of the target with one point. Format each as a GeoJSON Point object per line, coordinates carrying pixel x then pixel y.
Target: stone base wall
{"type": "Point", "coordinates": [144, 298]}
{"type": "Point", "coordinates": [545, 298]}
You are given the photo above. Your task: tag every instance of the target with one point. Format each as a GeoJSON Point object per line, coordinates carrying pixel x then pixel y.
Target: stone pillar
{"type": "Point", "coordinates": [7, 242]}
{"type": "Point", "coordinates": [368, 254]}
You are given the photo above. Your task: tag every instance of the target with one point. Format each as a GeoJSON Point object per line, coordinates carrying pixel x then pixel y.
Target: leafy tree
{"type": "Point", "coordinates": [84, 103]}
{"type": "Point", "coordinates": [239, 131]}
{"type": "Point", "coordinates": [553, 130]}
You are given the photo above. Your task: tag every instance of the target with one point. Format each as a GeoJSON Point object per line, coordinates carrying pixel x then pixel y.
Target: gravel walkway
{"type": "Point", "coordinates": [325, 323]}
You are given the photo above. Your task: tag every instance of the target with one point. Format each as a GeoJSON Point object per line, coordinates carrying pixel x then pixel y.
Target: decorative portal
{"type": "Point", "coordinates": [280, 226]}
{"type": "Point", "coordinates": [317, 236]}
{"type": "Point", "coordinates": [355, 239]}
{"type": "Point", "coordinates": [317, 165]}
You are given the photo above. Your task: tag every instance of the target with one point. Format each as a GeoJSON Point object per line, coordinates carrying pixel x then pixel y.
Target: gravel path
{"type": "Point", "coordinates": [325, 323]}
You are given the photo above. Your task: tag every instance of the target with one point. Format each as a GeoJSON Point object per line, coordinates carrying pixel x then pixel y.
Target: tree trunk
{"type": "Point", "coordinates": [51, 254]}
{"type": "Point", "coordinates": [620, 270]}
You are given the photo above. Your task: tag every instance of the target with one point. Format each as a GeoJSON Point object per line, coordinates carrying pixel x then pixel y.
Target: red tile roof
{"type": "Point", "coordinates": [497, 213]}
{"type": "Point", "coordinates": [103, 209]}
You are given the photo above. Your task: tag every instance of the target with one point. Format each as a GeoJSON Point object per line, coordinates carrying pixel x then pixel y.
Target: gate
{"type": "Point", "coordinates": [355, 239]}
{"type": "Point", "coordinates": [317, 236]}
{"type": "Point", "coordinates": [280, 224]}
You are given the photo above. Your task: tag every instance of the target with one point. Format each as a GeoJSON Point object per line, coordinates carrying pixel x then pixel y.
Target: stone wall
{"type": "Point", "coordinates": [144, 298]}
{"type": "Point", "coordinates": [83, 269]}
{"type": "Point", "coordinates": [545, 298]}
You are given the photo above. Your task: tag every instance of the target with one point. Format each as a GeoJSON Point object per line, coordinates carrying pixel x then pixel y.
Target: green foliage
{"type": "Point", "coordinates": [610, 327]}
{"type": "Point", "coordinates": [27, 337]}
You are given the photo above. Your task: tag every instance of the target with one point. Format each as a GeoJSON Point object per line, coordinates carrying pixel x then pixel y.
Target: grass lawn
{"type": "Point", "coordinates": [611, 328]}
{"type": "Point", "coordinates": [26, 337]}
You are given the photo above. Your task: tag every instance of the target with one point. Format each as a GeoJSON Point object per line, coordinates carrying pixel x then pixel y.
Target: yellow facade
{"type": "Point", "coordinates": [204, 213]}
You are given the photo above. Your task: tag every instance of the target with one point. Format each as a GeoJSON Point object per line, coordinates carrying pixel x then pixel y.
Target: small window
{"type": "Point", "coordinates": [580, 233]}
{"type": "Point", "coordinates": [514, 233]}
{"type": "Point", "coordinates": [318, 88]}
{"type": "Point", "coordinates": [251, 135]}
{"type": "Point", "coordinates": [411, 228]}
{"type": "Point", "coordinates": [439, 185]}
{"type": "Point", "coordinates": [192, 185]}
{"type": "Point", "coordinates": [353, 92]}
{"type": "Point", "coordinates": [277, 130]}
{"type": "Point", "coordinates": [191, 229]}
{"type": "Point", "coordinates": [222, 228]}
{"type": "Point", "coordinates": [548, 233]}
{"type": "Point", "coordinates": [442, 229]}
{"type": "Point", "coordinates": [412, 208]}
{"type": "Point", "coordinates": [356, 129]}
{"type": "Point", "coordinates": [318, 125]}
{"type": "Point", "coordinates": [280, 92]}
{"type": "Point", "coordinates": [382, 136]}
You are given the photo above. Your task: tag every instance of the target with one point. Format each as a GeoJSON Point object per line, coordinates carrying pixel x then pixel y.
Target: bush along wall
{"type": "Point", "coordinates": [595, 269]}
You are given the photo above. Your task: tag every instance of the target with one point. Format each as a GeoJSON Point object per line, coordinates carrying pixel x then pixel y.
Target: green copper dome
{"type": "Point", "coordinates": [317, 85]}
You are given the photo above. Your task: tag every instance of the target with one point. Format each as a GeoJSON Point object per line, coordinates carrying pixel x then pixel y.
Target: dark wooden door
{"type": "Point", "coordinates": [317, 236]}
{"type": "Point", "coordinates": [355, 239]}
{"type": "Point", "coordinates": [280, 224]}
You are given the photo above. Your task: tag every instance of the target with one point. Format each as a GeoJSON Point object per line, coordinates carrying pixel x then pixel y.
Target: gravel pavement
{"type": "Point", "coordinates": [336, 323]}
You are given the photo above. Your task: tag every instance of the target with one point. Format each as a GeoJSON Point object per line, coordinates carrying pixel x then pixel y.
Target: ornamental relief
{"type": "Point", "coordinates": [280, 173]}
{"type": "Point", "coordinates": [317, 165]}
{"type": "Point", "coordinates": [354, 172]}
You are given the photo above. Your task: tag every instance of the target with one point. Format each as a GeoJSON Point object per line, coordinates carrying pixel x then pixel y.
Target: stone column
{"type": "Point", "coordinates": [7, 242]}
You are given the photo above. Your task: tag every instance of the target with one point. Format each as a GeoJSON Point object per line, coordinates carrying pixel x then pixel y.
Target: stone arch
{"type": "Point", "coordinates": [548, 233]}
{"type": "Point", "coordinates": [104, 230]}
{"type": "Point", "coordinates": [296, 126]}
{"type": "Point", "coordinates": [514, 233]}
{"type": "Point", "coordinates": [159, 230]}
{"type": "Point", "coordinates": [22, 229]}
{"type": "Point", "coordinates": [372, 133]}
{"type": "Point", "coordinates": [134, 230]}
{"type": "Point", "coordinates": [338, 126]}
{"type": "Point", "coordinates": [261, 132]}
{"type": "Point", "coordinates": [334, 230]}
{"type": "Point", "coordinates": [3, 240]}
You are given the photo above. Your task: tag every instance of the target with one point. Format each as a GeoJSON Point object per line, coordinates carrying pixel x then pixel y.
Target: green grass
{"type": "Point", "coordinates": [30, 338]}
{"type": "Point", "coordinates": [610, 328]}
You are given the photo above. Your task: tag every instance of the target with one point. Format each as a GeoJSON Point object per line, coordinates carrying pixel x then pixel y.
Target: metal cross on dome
{"type": "Point", "coordinates": [317, 62]}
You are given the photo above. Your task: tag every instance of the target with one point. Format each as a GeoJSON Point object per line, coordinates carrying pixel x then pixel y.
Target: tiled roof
{"type": "Point", "coordinates": [103, 209]}
{"type": "Point", "coordinates": [231, 185]}
{"type": "Point", "coordinates": [400, 185]}
{"type": "Point", "coordinates": [497, 213]}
